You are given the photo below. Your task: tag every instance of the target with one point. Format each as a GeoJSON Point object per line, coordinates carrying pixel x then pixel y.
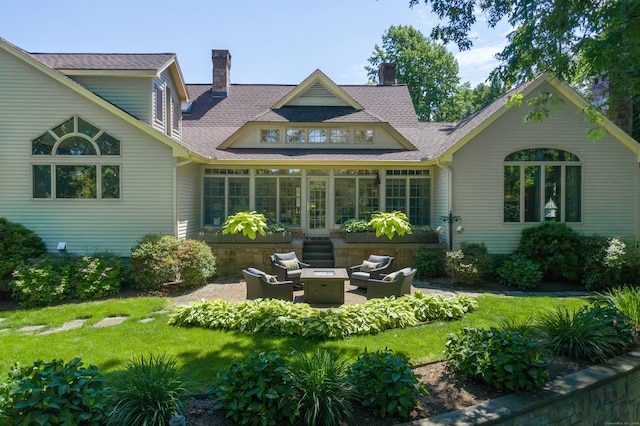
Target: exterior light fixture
{"type": "Point", "coordinates": [459, 229]}
{"type": "Point", "coordinates": [550, 210]}
{"type": "Point", "coordinates": [450, 220]}
{"type": "Point", "coordinates": [439, 230]}
{"type": "Point", "coordinates": [62, 247]}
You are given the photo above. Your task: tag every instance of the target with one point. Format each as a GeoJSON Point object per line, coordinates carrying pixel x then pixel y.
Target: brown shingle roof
{"type": "Point", "coordinates": [105, 61]}
{"type": "Point", "coordinates": [213, 120]}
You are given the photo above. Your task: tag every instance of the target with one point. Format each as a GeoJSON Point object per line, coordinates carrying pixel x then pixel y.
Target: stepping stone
{"type": "Point", "coordinates": [110, 321]}
{"type": "Point", "coordinates": [70, 325]}
{"type": "Point", "coordinates": [146, 320]}
{"type": "Point", "coordinates": [31, 328]}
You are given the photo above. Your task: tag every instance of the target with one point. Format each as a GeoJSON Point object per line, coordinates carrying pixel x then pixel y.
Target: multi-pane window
{"type": "Point", "coordinates": [542, 184]}
{"type": "Point", "coordinates": [175, 115]}
{"type": "Point", "coordinates": [75, 159]}
{"type": "Point", "coordinates": [363, 136]}
{"type": "Point", "coordinates": [296, 136]}
{"type": "Point", "coordinates": [225, 192]}
{"type": "Point", "coordinates": [317, 136]}
{"type": "Point", "coordinates": [269, 135]}
{"type": "Point", "coordinates": [339, 136]}
{"type": "Point", "coordinates": [408, 193]}
{"type": "Point", "coordinates": [355, 197]}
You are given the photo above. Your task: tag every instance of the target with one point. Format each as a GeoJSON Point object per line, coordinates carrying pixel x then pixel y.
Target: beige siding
{"type": "Point", "coordinates": [30, 103]}
{"type": "Point", "coordinates": [131, 94]}
{"type": "Point", "coordinates": [440, 200]}
{"type": "Point", "coordinates": [189, 200]}
{"type": "Point", "coordinates": [610, 177]}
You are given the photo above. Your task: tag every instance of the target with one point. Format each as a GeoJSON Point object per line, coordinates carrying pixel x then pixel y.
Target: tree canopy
{"type": "Point", "coordinates": [427, 68]}
{"type": "Point", "coordinates": [573, 39]}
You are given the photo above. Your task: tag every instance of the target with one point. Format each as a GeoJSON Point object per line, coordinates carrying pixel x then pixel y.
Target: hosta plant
{"type": "Point", "coordinates": [248, 224]}
{"type": "Point", "coordinates": [390, 224]}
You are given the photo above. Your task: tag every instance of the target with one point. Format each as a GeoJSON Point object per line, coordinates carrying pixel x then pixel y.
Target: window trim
{"type": "Point", "coordinates": [159, 108]}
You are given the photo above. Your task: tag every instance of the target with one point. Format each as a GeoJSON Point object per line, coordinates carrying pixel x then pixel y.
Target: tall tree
{"type": "Point", "coordinates": [426, 67]}
{"type": "Point", "coordinates": [574, 39]}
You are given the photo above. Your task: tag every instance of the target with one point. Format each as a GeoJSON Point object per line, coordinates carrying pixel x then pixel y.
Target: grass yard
{"type": "Point", "coordinates": [204, 351]}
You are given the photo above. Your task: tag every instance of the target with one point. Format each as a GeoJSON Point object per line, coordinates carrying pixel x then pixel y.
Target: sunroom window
{"type": "Point", "coordinates": [542, 184]}
{"type": "Point", "coordinates": [269, 135]}
{"type": "Point", "coordinates": [75, 159]}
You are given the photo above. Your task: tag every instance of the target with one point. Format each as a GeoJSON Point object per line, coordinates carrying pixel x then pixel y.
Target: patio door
{"type": "Point", "coordinates": [317, 207]}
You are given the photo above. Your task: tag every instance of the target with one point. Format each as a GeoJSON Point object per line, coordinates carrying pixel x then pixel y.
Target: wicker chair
{"type": "Point", "coordinates": [395, 284]}
{"type": "Point", "coordinates": [287, 267]}
{"type": "Point", "coordinates": [359, 277]}
{"type": "Point", "coordinates": [259, 286]}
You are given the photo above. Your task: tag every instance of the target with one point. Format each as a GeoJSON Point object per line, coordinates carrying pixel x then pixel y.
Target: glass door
{"type": "Point", "coordinates": [317, 207]}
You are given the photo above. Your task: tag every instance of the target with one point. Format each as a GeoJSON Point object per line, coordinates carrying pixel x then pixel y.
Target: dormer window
{"type": "Point", "coordinates": [317, 136]}
{"type": "Point", "coordinates": [269, 136]}
{"type": "Point", "coordinates": [363, 136]}
{"type": "Point", "coordinates": [339, 136]}
{"type": "Point", "coordinates": [296, 136]}
{"type": "Point", "coordinates": [159, 109]}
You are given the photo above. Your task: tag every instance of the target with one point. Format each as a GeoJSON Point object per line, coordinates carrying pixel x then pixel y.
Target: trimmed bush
{"type": "Point", "coordinates": [504, 359]}
{"type": "Point", "coordinates": [17, 245]}
{"type": "Point", "coordinates": [170, 259]}
{"type": "Point", "coordinates": [477, 254]}
{"type": "Point", "coordinates": [555, 247]}
{"type": "Point", "coordinates": [322, 387]}
{"type": "Point", "coordinates": [149, 392]}
{"type": "Point", "coordinates": [386, 382]}
{"type": "Point", "coordinates": [54, 393]}
{"type": "Point", "coordinates": [518, 271]}
{"type": "Point", "coordinates": [256, 391]}
{"type": "Point", "coordinates": [430, 264]}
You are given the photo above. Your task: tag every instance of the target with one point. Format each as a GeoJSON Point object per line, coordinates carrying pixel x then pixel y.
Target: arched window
{"type": "Point", "coordinates": [542, 184]}
{"type": "Point", "coordinates": [75, 160]}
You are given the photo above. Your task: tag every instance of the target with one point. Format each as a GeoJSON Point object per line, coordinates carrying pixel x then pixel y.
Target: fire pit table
{"type": "Point", "coordinates": [324, 285]}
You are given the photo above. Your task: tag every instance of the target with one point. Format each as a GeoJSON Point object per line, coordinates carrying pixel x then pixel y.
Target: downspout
{"type": "Point", "coordinates": [449, 171]}
{"type": "Point", "coordinates": [175, 193]}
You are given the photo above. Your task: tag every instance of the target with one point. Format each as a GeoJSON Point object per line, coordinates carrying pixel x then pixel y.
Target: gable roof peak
{"type": "Point", "coordinates": [317, 90]}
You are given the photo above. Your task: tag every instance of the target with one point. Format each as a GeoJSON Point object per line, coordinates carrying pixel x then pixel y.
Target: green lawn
{"type": "Point", "coordinates": [204, 351]}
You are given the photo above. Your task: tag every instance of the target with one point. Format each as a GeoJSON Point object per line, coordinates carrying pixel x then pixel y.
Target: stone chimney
{"type": "Point", "coordinates": [221, 72]}
{"type": "Point", "coordinates": [617, 106]}
{"type": "Point", "coordinates": [387, 74]}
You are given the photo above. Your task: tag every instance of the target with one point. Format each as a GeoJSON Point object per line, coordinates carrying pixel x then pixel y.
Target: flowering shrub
{"type": "Point", "coordinates": [459, 272]}
{"type": "Point", "coordinates": [41, 281]}
{"type": "Point", "coordinates": [97, 277]}
{"type": "Point", "coordinates": [612, 263]}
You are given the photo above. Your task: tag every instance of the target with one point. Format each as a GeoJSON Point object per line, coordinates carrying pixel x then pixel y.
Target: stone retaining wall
{"type": "Point", "coordinates": [607, 394]}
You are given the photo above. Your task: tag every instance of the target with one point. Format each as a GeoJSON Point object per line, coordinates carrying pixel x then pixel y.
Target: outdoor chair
{"type": "Point", "coordinates": [261, 285]}
{"type": "Point", "coordinates": [287, 267]}
{"type": "Point", "coordinates": [394, 284]}
{"type": "Point", "coordinates": [374, 266]}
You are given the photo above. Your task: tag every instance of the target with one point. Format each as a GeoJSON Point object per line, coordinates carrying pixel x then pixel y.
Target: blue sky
{"type": "Point", "coordinates": [280, 41]}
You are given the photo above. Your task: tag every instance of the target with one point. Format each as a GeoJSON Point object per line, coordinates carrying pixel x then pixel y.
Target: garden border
{"type": "Point", "coordinates": [608, 393]}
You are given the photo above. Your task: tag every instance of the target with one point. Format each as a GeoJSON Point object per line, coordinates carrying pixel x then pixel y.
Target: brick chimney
{"type": "Point", "coordinates": [617, 106]}
{"type": "Point", "coordinates": [221, 73]}
{"type": "Point", "coordinates": [387, 74]}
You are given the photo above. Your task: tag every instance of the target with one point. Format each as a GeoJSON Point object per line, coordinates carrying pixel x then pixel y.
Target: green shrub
{"type": "Point", "coordinates": [520, 272]}
{"type": "Point", "coordinates": [611, 262]}
{"type": "Point", "coordinates": [249, 224]}
{"type": "Point", "coordinates": [503, 359]}
{"type": "Point", "coordinates": [594, 333]}
{"type": "Point", "coordinates": [555, 247]}
{"type": "Point", "coordinates": [477, 254]}
{"type": "Point", "coordinates": [322, 387]}
{"type": "Point", "coordinates": [149, 392]}
{"type": "Point", "coordinates": [54, 393]}
{"type": "Point", "coordinates": [625, 299]}
{"type": "Point", "coordinates": [42, 281]}
{"type": "Point", "coordinates": [461, 272]}
{"type": "Point", "coordinates": [96, 277]}
{"type": "Point", "coordinates": [17, 246]}
{"type": "Point", "coordinates": [256, 391]}
{"type": "Point", "coordinates": [386, 382]}
{"type": "Point", "coordinates": [430, 264]}
{"type": "Point", "coordinates": [169, 259]}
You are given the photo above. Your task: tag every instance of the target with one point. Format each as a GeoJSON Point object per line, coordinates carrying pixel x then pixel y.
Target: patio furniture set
{"type": "Point", "coordinates": [326, 285]}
